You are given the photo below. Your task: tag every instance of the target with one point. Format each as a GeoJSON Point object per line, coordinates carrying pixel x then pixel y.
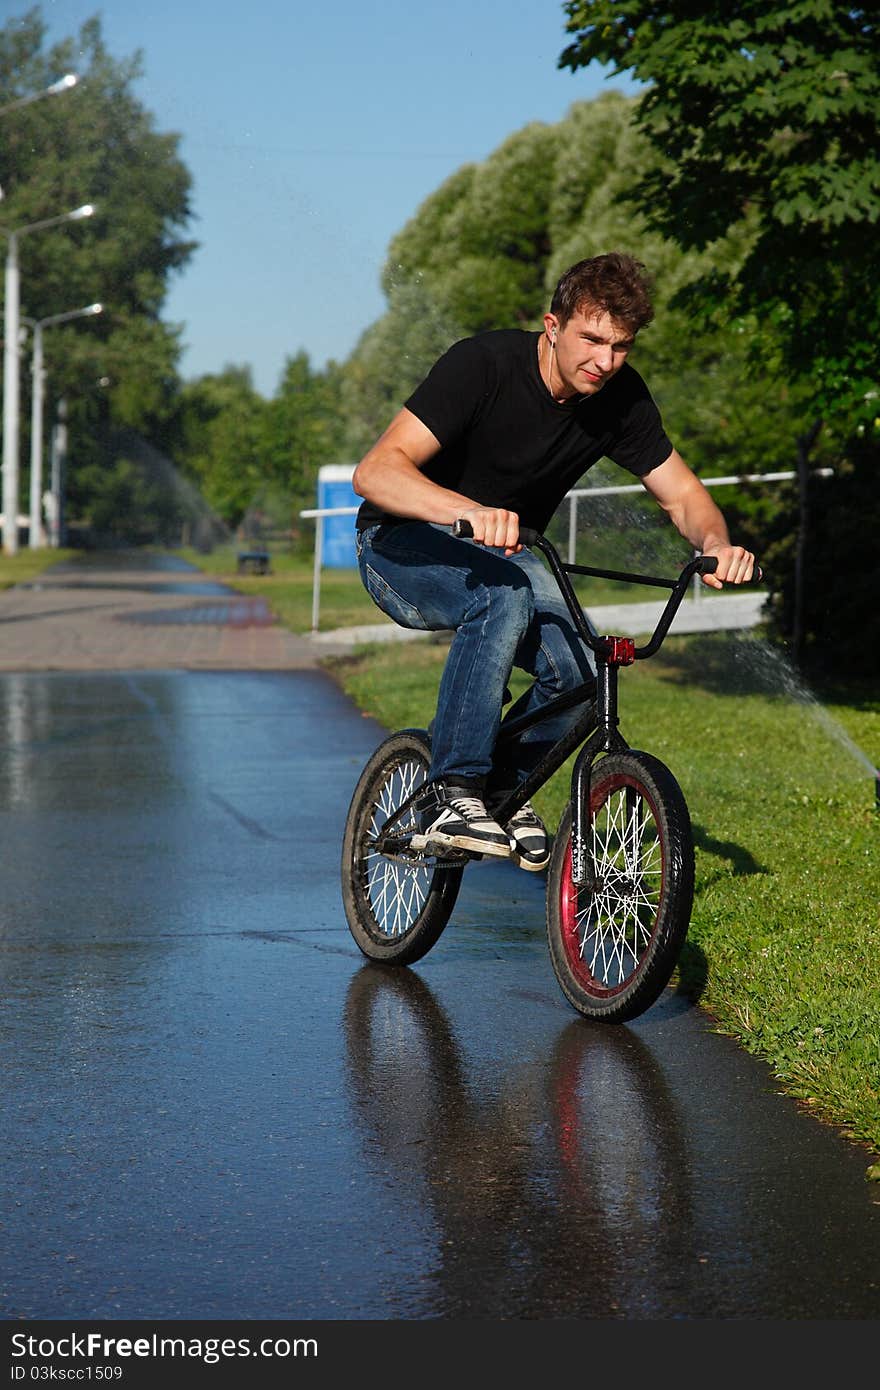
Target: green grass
{"type": "Point", "coordinates": [782, 948]}
{"type": "Point", "coordinates": [27, 564]}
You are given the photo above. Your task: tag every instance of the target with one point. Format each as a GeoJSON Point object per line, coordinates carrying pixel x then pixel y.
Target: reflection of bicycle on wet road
{"type": "Point", "coordinates": [620, 880]}
{"type": "Point", "coordinates": [558, 1186]}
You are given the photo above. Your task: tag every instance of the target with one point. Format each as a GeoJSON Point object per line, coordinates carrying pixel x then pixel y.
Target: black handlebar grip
{"type": "Point", "coordinates": [464, 531]}
{"type": "Point", "coordinates": [709, 564]}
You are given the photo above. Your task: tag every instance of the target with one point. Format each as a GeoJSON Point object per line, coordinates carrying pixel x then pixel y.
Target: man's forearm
{"type": "Point", "coordinates": [699, 520]}
{"type": "Point", "coordinates": [392, 482]}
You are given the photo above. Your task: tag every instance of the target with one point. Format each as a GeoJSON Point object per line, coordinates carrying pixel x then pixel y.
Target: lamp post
{"type": "Point", "coordinates": [59, 466]}
{"type": "Point", "coordinates": [11, 328]}
{"type": "Point", "coordinates": [37, 373]}
{"type": "Point", "coordinates": [63, 84]}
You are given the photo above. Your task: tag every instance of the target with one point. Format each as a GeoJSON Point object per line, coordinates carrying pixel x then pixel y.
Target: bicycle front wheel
{"type": "Point", "coordinates": [614, 944]}
{"type": "Point", "coordinates": [397, 902]}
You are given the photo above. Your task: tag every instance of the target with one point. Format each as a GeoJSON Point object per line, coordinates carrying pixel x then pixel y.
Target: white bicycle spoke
{"type": "Point", "coordinates": [615, 928]}
{"type": "Point", "coordinates": [396, 891]}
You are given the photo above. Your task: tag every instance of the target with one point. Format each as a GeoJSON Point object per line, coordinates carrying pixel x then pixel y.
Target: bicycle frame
{"type": "Point", "coordinates": [611, 653]}
{"type": "Point", "coordinates": [600, 704]}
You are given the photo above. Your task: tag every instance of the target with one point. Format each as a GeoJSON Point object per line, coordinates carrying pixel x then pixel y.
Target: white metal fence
{"type": "Point", "coordinates": [319, 513]}
{"type": "Point", "coordinates": [573, 498]}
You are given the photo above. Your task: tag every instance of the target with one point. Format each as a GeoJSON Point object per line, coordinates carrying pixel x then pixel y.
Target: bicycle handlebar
{"type": "Point", "coordinates": [701, 564]}
{"type": "Point", "coordinates": [708, 564]}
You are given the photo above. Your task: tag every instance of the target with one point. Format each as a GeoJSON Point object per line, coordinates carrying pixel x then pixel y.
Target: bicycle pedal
{"type": "Point", "coordinates": [422, 844]}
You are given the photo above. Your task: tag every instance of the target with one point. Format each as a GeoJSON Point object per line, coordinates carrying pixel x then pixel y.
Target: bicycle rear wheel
{"type": "Point", "coordinates": [615, 944]}
{"type": "Point", "coordinates": [397, 902]}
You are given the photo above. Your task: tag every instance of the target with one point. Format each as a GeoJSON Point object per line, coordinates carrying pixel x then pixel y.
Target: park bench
{"type": "Point", "coordinates": [253, 562]}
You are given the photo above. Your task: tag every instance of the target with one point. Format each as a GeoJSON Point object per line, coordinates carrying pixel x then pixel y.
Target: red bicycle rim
{"type": "Point", "coordinates": [570, 904]}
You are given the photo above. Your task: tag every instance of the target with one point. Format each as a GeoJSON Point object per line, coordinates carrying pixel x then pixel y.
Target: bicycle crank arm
{"type": "Point", "coordinates": [401, 849]}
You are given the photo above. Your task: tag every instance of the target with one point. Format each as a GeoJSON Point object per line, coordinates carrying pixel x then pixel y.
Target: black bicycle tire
{"type": "Point", "coordinates": [656, 785]}
{"type": "Point", "coordinates": [440, 883]}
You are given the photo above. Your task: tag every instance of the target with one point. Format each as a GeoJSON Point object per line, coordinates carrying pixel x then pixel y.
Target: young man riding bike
{"type": "Point", "coordinates": [504, 424]}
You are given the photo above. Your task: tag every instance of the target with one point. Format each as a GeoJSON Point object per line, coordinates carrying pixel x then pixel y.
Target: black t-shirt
{"type": "Point", "coordinates": [506, 443]}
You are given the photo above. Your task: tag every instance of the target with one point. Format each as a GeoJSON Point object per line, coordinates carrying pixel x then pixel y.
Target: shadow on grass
{"type": "Point", "coordinates": [859, 693]}
{"type": "Point", "coordinates": [741, 861]}
{"type": "Point", "coordinates": [692, 972]}
{"type": "Point", "coordinates": [728, 663]}
{"type": "Point", "coordinates": [737, 663]}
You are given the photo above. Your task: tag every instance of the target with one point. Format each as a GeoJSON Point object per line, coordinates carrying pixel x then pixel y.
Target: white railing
{"type": "Point", "coordinates": [319, 513]}
{"type": "Point", "coordinates": [573, 498]}
{"type": "Point", "coordinates": [731, 480]}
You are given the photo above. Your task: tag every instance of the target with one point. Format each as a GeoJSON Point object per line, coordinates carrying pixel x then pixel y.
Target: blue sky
{"type": "Point", "coordinates": [313, 132]}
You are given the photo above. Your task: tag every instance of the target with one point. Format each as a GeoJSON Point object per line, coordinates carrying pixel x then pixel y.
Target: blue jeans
{"type": "Point", "coordinates": [505, 611]}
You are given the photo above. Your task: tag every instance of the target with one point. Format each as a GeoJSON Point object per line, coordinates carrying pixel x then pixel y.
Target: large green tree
{"type": "Point", "coordinates": [255, 462]}
{"type": "Point", "coordinates": [95, 143]}
{"type": "Point", "coordinates": [394, 354]}
{"type": "Point", "coordinates": [764, 120]}
{"type": "Point", "coordinates": [219, 440]}
{"type": "Point", "coordinates": [765, 115]}
{"type": "Point", "coordinates": [304, 429]}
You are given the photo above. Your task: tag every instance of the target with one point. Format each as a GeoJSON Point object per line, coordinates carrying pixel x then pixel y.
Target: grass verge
{"type": "Point", "coordinates": [28, 564]}
{"type": "Point", "coordinates": [782, 945]}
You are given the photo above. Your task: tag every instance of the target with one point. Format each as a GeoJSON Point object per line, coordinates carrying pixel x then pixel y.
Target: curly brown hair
{"type": "Point", "coordinates": [615, 283]}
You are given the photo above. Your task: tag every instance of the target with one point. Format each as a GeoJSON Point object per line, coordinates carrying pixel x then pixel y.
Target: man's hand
{"type": "Point", "coordinates": [735, 565]}
{"type": "Point", "coordinates": [494, 526]}
{"type": "Point", "coordinates": [688, 505]}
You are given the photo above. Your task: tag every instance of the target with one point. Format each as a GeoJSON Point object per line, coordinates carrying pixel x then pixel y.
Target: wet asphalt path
{"type": "Point", "coordinates": [213, 1108]}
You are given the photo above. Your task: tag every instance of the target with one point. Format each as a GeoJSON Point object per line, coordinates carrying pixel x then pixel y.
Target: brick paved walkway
{"type": "Point", "coordinates": [134, 611]}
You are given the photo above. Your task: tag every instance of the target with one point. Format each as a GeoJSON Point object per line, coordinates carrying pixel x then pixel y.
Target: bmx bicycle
{"type": "Point", "coordinates": [620, 880]}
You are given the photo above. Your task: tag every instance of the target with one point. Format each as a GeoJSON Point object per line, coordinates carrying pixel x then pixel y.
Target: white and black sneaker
{"type": "Point", "coordinates": [455, 818]}
{"type": "Point", "coordinates": [529, 839]}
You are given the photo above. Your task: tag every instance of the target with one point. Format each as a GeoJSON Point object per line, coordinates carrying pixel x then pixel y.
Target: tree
{"type": "Point", "coordinates": [393, 355]}
{"type": "Point", "coordinates": [304, 429]}
{"type": "Point", "coordinates": [96, 144]}
{"type": "Point", "coordinates": [254, 461]}
{"type": "Point", "coordinates": [219, 438]}
{"type": "Point", "coordinates": [485, 235]}
{"type": "Point", "coordinates": [131, 501]}
{"type": "Point", "coordinates": [478, 255]}
{"type": "Point", "coordinates": [764, 120]}
{"type": "Point", "coordinates": [764, 115]}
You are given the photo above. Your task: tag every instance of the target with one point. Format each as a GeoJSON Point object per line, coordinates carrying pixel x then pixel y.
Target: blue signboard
{"type": "Point", "coordinates": [335, 490]}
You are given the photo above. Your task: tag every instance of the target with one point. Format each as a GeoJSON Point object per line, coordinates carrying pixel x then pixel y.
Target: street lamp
{"type": "Point", "coordinates": [37, 373]}
{"type": "Point", "coordinates": [10, 369]}
{"type": "Point", "coordinates": [63, 84]}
